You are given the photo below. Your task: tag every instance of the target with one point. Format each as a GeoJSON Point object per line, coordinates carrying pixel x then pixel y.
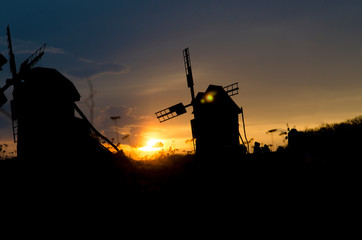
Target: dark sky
{"type": "Point", "coordinates": [297, 62]}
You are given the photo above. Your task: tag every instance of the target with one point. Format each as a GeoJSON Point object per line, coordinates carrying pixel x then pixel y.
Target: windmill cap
{"type": "Point", "coordinates": [3, 61]}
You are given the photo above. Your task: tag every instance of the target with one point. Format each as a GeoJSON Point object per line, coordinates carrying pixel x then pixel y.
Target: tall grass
{"type": "Point", "coordinates": [337, 141]}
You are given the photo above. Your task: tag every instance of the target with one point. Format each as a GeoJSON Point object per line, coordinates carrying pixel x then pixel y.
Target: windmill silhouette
{"type": "Point", "coordinates": [215, 127]}
{"type": "Point", "coordinates": [43, 112]}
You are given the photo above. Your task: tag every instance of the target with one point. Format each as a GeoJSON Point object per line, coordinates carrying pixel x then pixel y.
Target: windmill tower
{"type": "Point", "coordinates": [215, 127]}
{"type": "Point", "coordinates": [43, 112]}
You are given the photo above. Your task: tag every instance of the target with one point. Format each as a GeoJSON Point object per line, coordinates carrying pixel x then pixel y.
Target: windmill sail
{"type": "Point", "coordinates": [11, 54]}
{"type": "Point", "coordinates": [232, 89]}
{"type": "Point", "coordinates": [3, 98]}
{"type": "Point", "coordinates": [190, 80]}
{"type": "Point", "coordinates": [171, 112]}
{"type": "Point", "coordinates": [33, 59]}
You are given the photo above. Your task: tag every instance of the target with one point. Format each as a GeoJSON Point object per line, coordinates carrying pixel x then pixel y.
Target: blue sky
{"type": "Point", "coordinates": [297, 62]}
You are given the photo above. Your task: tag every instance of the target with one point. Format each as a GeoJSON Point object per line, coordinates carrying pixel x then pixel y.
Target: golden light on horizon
{"type": "Point", "coordinates": [153, 145]}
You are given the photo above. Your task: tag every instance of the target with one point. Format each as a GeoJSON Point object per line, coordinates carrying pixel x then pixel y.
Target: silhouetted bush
{"type": "Point", "coordinates": [338, 143]}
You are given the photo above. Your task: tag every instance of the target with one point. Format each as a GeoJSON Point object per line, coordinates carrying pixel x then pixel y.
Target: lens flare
{"type": "Point", "coordinates": [209, 98]}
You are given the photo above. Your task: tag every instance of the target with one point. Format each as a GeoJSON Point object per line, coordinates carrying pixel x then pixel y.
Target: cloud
{"type": "Point", "coordinates": [130, 127]}
{"type": "Point", "coordinates": [158, 145]}
{"type": "Point", "coordinates": [125, 112]}
{"type": "Point", "coordinates": [28, 47]}
{"type": "Point", "coordinates": [48, 49]}
{"type": "Point", "coordinates": [85, 60]}
{"type": "Point", "coordinates": [152, 91]}
{"type": "Point", "coordinates": [88, 68]}
{"type": "Point", "coordinates": [6, 113]}
{"type": "Point", "coordinates": [81, 67]}
{"type": "Point", "coordinates": [54, 50]}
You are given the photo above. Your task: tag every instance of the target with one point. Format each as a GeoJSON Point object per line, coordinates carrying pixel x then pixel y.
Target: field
{"type": "Point", "coordinates": [301, 172]}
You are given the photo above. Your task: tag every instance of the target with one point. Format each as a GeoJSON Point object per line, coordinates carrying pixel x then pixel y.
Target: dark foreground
{"type": "Point", "coordinates": [182, 193]}
{"type": "Point", "coordinates": [270, 175]}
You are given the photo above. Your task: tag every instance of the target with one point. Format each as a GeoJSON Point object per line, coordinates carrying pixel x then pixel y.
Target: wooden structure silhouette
{"type": "Point", "coordinates": [43, 113]}
{"type": "Point", "coordinates": [215, 127]}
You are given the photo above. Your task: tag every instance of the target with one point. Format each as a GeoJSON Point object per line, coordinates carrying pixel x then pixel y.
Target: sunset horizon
{"type": "Point", "coordinates": [239, 105]}
{"type": "Point", "coordinates": [297, 63]}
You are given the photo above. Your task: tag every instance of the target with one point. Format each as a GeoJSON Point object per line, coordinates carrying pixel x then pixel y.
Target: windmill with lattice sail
{"type": "Point", "coordinates": [215, 124]}
{"type": "Point", "coordinates": [43, 111]}
{"type": "Point", "coordinates": [16, 79]}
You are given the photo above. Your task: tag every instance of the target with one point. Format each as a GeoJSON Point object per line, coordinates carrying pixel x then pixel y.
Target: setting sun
{"type": "Point", "coordinates": [152, 145]}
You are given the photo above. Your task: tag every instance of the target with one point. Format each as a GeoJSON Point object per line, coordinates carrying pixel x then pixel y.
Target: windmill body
{"type": "Point", "coordinates": [44, 116]}
{"type": "Point", "coordinates": [215, 127]}
{"type": "Point", "coordinates": [43, 111]}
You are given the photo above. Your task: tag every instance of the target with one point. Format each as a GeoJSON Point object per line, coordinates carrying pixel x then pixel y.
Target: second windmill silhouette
{"type": "Point", "coordinates": [215, 127]}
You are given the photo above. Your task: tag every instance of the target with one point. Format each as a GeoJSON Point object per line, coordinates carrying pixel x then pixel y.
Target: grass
{"type": "Point", "coordinates": [327, 157]}
{"type": "Point", "coordinates": [338, 142]}
{"type": "Point", "coordinates": [287, 171]}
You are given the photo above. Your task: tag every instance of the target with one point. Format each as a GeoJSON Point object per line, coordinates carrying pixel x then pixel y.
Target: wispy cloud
{"type": "Point", "coordinates": [152, 91]}
{"type": "Point", "coordinates": [5, 112]}
{"type": "Point", "coordinates": [88, 68]}
{"type": "Point", "coordinates": [54, 50]}
{"type": "Point", "coordinates": [130, 127]}
{"type": "Point", "coordinates": [28, 47]}
{"type": "Point", "coordinates": [48, 49]}
{"type": "Point", "coordinates": [85, 60]}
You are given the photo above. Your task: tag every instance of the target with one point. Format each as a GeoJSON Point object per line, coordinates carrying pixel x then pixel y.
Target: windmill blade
{"type": "Point", "coordinates": [232, 89]}
{"type": "Point", "coordinates": [11, 54]}
{"type": "Point", "coordinates": [3, 98]}
{"type": "Point", "coordinates": [171, 112]}
{"type": "Point", "coordinates": [33, 59]}
{"type": "Point", "coordinates": [3, 61]}
{"type": "Point", "coordinates": [190, 80]}
{"type": "Point", "coordinates": [93, 128]}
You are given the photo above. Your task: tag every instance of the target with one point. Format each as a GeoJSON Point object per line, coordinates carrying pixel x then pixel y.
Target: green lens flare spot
{"type": "Point", "coordinates": [209, 98]}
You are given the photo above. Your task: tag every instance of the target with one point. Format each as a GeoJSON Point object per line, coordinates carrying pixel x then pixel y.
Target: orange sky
{"type": "Point", "coordinates": [297, 62]}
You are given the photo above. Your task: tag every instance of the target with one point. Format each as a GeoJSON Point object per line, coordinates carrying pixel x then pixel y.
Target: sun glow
{"type": "Point", "coordinates": [152, 145]}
